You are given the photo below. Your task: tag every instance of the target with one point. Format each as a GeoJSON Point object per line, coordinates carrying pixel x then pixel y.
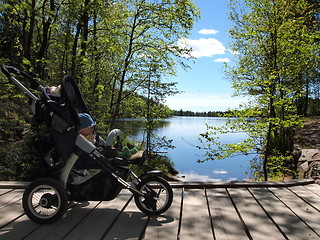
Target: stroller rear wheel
{"type": "Point", "coordinates": [157, 197]}
{"type": "Point", "coordinates": [45, 201]}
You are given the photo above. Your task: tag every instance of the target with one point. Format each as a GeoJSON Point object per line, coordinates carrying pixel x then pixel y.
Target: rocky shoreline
{"type": "Point", "coordinates": [306, 149]}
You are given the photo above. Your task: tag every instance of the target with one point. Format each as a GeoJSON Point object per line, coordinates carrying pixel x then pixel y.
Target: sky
{"type": "Point", "coordinates": [205, 86]}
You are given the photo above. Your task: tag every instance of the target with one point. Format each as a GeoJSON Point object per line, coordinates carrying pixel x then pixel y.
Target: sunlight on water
{"type": "Point", "coordinates": [184, 131]}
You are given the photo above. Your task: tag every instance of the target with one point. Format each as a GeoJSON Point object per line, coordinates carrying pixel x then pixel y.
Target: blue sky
{"type": "Point", "coordinates": [204, 86]}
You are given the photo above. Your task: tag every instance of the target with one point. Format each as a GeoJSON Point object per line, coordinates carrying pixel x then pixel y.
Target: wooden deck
{"type": "Point", "coordinates": [199, 211]}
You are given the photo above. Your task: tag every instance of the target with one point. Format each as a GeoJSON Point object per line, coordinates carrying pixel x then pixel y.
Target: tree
{"type": "Point", "coordinates": [112, 48]}
{"type": "Point", "coordinates": [277, 54]}
{"type": "Point", "coordinates": [105, 45]}
{"type": "Point", "coordinates": [149, 38]}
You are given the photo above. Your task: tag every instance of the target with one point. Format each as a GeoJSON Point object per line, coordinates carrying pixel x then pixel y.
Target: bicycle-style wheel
{"type": "Point", "coordinates": [157, 195]}
{"type": "Point", "coordinates": [45, 201]}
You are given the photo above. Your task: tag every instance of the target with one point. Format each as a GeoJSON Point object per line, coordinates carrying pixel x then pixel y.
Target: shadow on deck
{"type": "Point", "coordinates": [218, 210]}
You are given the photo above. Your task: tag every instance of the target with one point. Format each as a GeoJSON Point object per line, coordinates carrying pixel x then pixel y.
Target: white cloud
{"type": "Point", "coordinates": [220, 172]}
{"type": "Point", "coordinates": [208, 31]}
{"type": "Point", "coordinates": [222, 60]}
{"type": "Point", "coordinates": [202, 47]}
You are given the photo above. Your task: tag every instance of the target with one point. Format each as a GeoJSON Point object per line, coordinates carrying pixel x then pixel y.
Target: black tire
{"type": "Point", "coordinates": [157, 197]}
{"type": "Point", "coordinates": [45, 201]}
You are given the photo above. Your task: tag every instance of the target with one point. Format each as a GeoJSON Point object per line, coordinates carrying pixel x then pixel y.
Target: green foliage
{"type": "Point", "coordinates": [156, 161]}
{"type": "Point", "coordinates": [237, 121]}
{"type": "Point", "coordinates": [23, 159]}
{"type": "Point", "coordinates": [280, 167]}
{"type": "Point", "coordinates": [277, 45]}
{"type": "Point", "coordinates": [116, 50]}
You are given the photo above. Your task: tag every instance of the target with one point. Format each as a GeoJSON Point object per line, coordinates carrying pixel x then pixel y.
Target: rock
{"type": "Point", "coordinates": [309, 155]}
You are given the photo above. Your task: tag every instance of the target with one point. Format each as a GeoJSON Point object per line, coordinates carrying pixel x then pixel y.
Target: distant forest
{"type": "Point", "coordinates": [198, 114]}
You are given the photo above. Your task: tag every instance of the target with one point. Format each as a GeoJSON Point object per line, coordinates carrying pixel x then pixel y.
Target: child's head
{"type": "Point", "coordinates": [87, 124]}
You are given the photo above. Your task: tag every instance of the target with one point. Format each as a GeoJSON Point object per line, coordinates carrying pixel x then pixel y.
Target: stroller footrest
{"type": "Point", "coordinates": [137, 158]}
{"type": "Point", "coordinates": [138, 154]}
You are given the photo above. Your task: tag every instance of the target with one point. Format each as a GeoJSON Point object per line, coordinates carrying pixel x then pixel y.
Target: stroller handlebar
{"type": "Point", "coordinates": [8, 70]}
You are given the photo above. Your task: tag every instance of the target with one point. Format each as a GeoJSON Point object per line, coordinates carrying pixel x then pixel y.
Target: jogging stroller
{"type": "Point", "coordinates": [45, 200]}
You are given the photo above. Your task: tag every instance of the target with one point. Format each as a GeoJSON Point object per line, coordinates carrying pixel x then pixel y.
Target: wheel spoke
{"type": "Point", "coordinates": [45, 200]}
{"type": "Point", "coordinates": [158, 196]}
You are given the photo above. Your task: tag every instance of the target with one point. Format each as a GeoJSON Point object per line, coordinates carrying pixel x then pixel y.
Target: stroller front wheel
{"type": "Point", "coordinates": [45, 201]}
{"type": "Point", "coordinates": [157, 196]}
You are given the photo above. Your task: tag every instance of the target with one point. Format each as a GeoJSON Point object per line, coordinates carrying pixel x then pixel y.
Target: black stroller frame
{"type": "Point", "coordinates": [45, 200]}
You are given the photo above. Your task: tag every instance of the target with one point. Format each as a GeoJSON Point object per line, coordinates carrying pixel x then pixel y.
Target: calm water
{"type": "Point", "coordinates": [184, 131]}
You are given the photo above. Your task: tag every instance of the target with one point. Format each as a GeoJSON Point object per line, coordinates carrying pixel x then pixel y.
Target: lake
{"type": "Point", "coordinates": [184, 131]}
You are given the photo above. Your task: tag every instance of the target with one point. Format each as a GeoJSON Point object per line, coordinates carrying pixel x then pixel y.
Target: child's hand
{"type": "Point", "coordinates": [91, 137]}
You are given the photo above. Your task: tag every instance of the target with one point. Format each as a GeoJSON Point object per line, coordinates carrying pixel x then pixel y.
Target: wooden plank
{"type": "Point", "coordinates": [4, 191]}
{"type": "Point", "coordinates": [10, 207]}
{"type": "Point", "coordinates": [61, 228]}
{"type": "Point", "coordinates": [106, 220]}
{"type": "Point", "coordinates": [77, 220]}
{"type": "Point", "coordinates": [166, 225]}
{"type": "Point", "coordinates": [225, 220]}
{"type": "Point", "coordinates": [309, 196]}
{"type": "Point", "coordinates": [130, 224]}
{"type": "Point", "coordinates": [239, 184]}
{"type": "Point", "coordinates": [13, 185]}
{"type": "Point", "coordinates": [69, 224]}
{"type": "Point", "coordinates": [10, 197]}
{"type": "Point", "coordinates": [306, 213]}
{"type": "Point", "coordinates": [283, 217]}
{"type": "Point", "coordinates": [195, 222]}
{"type": "Point", "coordinates": [18, 229]}
{"type": "Point", "coordinates": [96, 222]}
{"type": "Point", "coordinates": [255, 219]}
{"type": "Point", "coordinates": [196, 211]}
{"type": "Point", "coordinates": [15, 224]}
{"type": "Point", "coordinates": [314, 188]}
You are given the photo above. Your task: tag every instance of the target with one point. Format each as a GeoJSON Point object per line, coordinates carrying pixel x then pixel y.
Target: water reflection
{"type": "Point", "coordinates": [184, 131]}
{"type": "Point", "coordinates": [136, 127]}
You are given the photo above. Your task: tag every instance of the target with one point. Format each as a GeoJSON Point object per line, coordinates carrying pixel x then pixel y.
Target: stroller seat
{"type": "Point", "coordinates": [60, 112]}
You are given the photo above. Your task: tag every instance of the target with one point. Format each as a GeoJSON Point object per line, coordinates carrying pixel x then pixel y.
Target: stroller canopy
{"type": "Point", "coordinates": [66, 106]}
{"type": "Point", "coordinates": [72, 96]}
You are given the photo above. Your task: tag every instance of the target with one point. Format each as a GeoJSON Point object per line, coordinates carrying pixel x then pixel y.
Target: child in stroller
{"type": "Point", "coordinates": [45, 200]}
{"type": "Point", "coordinates": [87, 126]}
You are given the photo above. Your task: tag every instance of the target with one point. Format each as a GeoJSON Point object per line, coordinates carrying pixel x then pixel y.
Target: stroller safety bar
{"type": "Point", "coordinates": [113, 133]}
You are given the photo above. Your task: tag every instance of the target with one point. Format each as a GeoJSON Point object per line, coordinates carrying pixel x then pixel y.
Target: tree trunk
{"type": "Point", "coordinates": [74, 50]}
{"type": "Point", "coordinates": [267, 153]}
{"type": "Point", "coordinates": [124, 71]}
{"type": "Point", "coordinates": [29, 32]}
{"type": "Point", "coordinates": [85, 28]}
{"type": "Point", "coordinates": [306, 100]}
{"type": "Point", "coordinates": [46, 26]}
